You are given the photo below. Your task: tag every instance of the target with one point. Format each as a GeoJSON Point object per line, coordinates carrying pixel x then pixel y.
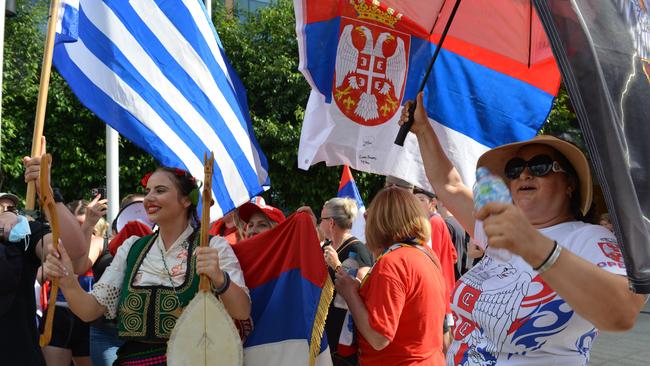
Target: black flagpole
{"type": "Point", "coordinates": [406, 127]}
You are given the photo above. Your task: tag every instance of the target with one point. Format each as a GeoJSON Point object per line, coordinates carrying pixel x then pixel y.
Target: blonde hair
{"type": "Point", "coordinates": [100, 227]}
{"type": "Point", "coordinates": [395, 215]}
{"type": "Point", "coordinates": [342, 210]}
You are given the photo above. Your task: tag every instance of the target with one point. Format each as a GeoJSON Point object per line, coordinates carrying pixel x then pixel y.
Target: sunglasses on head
{"type": "Point", "coordinates": [538, 165]}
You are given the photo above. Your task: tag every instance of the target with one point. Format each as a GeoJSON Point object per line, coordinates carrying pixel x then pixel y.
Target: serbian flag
{"type": "Point", "coordinates": [291, 291]}
{"type": "Point", "coordinates": [493, 83]}
{"type": "Point", "coordinates": [348, 188]}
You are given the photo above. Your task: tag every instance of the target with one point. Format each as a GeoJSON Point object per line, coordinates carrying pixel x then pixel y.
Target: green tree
{"type": "Point", "coordinates": [75, 135]}
{"type": "Point", "coordinates": [562, 121]}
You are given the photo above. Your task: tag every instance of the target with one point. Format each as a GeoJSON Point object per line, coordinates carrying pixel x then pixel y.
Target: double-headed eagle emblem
{"type": "Point", "coordinates": [368, 83]}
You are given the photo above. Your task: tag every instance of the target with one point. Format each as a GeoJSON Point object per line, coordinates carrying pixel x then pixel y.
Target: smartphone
{"type": "Point", "coordinates": [99, 190]}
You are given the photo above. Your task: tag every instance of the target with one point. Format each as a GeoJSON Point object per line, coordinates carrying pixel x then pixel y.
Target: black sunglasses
{"type": "Point", "coordinates": [538, 165]}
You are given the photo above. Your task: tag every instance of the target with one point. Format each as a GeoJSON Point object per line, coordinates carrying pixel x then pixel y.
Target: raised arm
{"type": "Point", "coordinates": [95, 210]}
{"type": "Point", "coordinates": [70, 232]}
{"type": "Point", "coordinates": [442, 175]}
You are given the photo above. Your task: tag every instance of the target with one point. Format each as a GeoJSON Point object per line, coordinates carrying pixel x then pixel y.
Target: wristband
{"type": "Point", "coordinates": [551, 259]}
{"type": "Point", "coordinates": [226, 284]}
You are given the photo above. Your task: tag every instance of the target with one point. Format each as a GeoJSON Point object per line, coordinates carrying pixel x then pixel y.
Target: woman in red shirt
{"type": "Point", "coordinates": [398, 309]}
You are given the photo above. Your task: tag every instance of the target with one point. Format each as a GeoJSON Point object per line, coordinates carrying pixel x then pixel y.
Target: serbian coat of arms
{"type": "Point", "coordinates": [370, 71]}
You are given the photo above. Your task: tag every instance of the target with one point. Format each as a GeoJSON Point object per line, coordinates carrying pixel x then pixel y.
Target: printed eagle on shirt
{"type": "Point", "coordinates": [496, 308]}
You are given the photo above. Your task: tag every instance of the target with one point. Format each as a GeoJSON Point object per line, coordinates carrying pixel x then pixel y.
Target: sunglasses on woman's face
{"type": "Point", "coordinates": [538, 165]}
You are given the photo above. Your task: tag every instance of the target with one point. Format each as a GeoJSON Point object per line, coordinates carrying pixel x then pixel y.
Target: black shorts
{"type": "Point", "coordinates": [70, 332]}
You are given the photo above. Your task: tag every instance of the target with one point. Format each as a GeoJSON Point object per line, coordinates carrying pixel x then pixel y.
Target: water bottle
{"type": "Point", "coordinates": [489, 188]}
{"type": "Point", "coordinates": [351, 267]}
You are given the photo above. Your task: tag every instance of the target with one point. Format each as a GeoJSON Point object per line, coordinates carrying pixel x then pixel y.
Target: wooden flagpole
{"type": "Point", "coordinates": [43, 89]}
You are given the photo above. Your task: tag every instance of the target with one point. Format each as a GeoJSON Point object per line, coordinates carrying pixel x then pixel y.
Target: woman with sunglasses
{"type": "Point", "coordinates": [151, 279]}
{"type": "Point", "coordinates": [565, 279]}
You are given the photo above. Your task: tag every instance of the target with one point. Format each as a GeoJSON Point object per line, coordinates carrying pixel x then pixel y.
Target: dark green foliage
{"type": "Point", "coordinates": [562, 121]}
{"type": "Point", "coordinates": [264, 51]}
{"type": "Point", "coordinates": [75, 136]}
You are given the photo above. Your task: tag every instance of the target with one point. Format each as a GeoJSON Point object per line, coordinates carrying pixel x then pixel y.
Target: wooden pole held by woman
{"type": "Point", "coordinates": [43, 89]}
{"type": "Point", "coordinates": [47, 204]}
{"type": "Point", "coordinates": [206, 199]}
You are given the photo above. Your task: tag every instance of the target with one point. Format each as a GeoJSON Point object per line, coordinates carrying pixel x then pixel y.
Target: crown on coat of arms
{"type": "Point", "coordinates": [374, 11]}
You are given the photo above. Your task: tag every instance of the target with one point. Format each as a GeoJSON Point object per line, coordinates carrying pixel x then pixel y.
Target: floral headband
{"type": "Point", "coordinates": [194, 193]}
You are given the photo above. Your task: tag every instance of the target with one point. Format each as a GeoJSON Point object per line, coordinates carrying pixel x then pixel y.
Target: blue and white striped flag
{"type": "Point", "coordinates": [155, 71]}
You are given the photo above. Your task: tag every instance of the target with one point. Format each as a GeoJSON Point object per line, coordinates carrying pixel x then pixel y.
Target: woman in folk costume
{"type": "Point", "coordinates": [151, 279]}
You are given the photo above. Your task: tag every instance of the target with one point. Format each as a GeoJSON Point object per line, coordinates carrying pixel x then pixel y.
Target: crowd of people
{"type": "Point", "coordinates": [422, 289]}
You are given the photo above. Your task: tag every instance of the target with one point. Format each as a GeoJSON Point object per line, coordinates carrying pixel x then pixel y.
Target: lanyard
{"type": "Point", "coordinates": [407, 243]}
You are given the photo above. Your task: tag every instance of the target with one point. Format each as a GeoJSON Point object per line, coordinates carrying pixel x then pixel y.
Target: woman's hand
{"type": "Point", "coordinates": [7, 222]}
{"type": "Point", "coordinates": [308, 210]}
{"type": "Point", "coordinates": [345, 284]}
{"type": "Point", "coordinates": [506, 227]}
{"type": "Point", "coordinates": [420, 118]}
{"type": "Point", "coordinates": [331, 257]}
{"type": "Point", "coordinates": [33, 167]}
{"type": "Point", "coordinates": [58, 265]}
{"type": "Point", "coordinates": [95, 210]}
{"type": "Point", "coordinates": [207, 263]}
{"type": "Point", "coordinates": [474, 250]}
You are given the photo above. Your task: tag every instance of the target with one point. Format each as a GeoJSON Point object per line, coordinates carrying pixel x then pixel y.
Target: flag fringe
{"type": "Point", "coordinates": [319, 321]}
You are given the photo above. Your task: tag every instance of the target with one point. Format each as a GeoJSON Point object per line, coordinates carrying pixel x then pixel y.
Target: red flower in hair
{"type": "Point", "coordinates": [178, 172]}
{"type": "Point", "coordinates": [182, 173]}
{"type": "Point", "coordinates": [145, 179]}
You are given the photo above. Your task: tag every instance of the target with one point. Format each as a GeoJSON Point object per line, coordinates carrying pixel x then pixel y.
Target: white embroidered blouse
{"type": "Point", "coordinates": [152, 272]}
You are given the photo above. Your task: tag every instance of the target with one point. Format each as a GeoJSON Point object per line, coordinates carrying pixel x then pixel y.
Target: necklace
{"type": "Point", "coordinates": [169, 275]}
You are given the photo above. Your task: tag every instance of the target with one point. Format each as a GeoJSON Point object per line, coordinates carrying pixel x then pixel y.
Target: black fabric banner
{"type": "Point", "coordinates": [603, 51]}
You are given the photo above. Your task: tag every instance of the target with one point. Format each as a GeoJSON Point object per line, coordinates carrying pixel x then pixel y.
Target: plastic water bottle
{"type": "Point", "coordinates": [489, 188]}
{"type": "Point", "coordinates": [351, 267]}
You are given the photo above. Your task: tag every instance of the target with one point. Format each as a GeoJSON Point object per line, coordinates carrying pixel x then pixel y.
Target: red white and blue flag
{"type": "Point", "coordinates": [348, 188]}
{"type": "Point", "coordinates": [290, 291]}
{"type": "Point", "coordinates": [493, 83]}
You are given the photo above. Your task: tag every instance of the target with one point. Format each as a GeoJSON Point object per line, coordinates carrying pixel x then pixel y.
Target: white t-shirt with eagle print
{"type": "Point", "coordinates": [505, 314]}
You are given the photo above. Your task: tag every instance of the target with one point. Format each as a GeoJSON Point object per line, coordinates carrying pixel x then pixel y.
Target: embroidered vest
{"type": "Point", "coordinates": [149, 313]}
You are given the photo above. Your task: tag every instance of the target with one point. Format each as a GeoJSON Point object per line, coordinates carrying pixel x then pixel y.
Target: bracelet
{"type": "Point", "coordinates": [551, 259]}
{"type": "Point", "coordinates": [336, 269]}
{"type": "Point", "coordinates": [226, 284]}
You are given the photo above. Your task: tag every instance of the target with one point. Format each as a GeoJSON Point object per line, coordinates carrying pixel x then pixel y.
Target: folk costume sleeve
{"type": "Point", "coordinates": [107, 290]}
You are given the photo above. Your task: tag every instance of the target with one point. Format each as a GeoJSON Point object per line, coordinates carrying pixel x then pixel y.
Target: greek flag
{"type": "Point", "coordinates": [155, 71]}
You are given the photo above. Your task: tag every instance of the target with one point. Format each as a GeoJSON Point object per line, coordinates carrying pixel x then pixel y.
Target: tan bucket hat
{"type": "Point", "coordinates": [495, 160]}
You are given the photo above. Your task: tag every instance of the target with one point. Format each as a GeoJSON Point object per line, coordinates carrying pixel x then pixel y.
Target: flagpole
{"type": "Point", "coordinates": [406, 127]}
{"type": "Point", "coordinates": [208, 8]}
{"type": "Point", "coordinates": [43, 89]}
{"type": "Point", "coordinates": [112, 173]}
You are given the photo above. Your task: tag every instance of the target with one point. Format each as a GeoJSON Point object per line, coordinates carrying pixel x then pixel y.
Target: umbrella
{"type": "Point", "coordinates": [493, 83]}
{"type": "Point", "coordinates": [512, 31]}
